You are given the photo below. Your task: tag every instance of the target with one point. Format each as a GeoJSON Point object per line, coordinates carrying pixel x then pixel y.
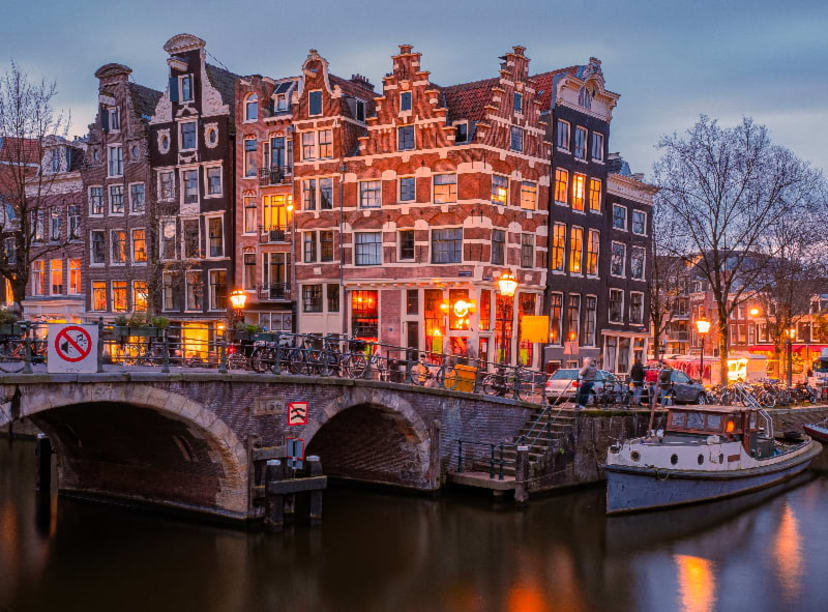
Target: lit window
{"type": "Point", "coordinates": [119, 246]}
{"type": "Point", "coordinates": [56, 276]}
{"type": "Point", "coordinates": [593, 244]}
{"type": "Point", "coordinates": [528, 195]}
{"type": "Point", "coordinates": [119, 296]}
{"type": "Point", "coordinates": [558, 247]}
{"type": "Point", "coordinates": [74, 276]}
{"type": "Point", "coordinates": [595, 195]}
{"type": "Point", "coordinates": [139, 296]}
{"type": "Point", "coordinates": [578, 191]}
{"type": "Point", "coordinates": [139, 246]}
{"type": "Point", "coordinates": [445, 188]}
{"type": "Point", "coordinates": [99, 296]}
{"type": "Point", "coordinates": [500, 189]}
{"type": "Point", "coordinates": [576, 249]}
{"type": "Point", "coordinates": [561, 186]}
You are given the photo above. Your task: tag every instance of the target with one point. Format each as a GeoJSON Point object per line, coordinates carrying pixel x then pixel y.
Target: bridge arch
{"type": "Point", "coordinates": [373, 435]}
{"type": "Point", "coordinates": [141, 442]}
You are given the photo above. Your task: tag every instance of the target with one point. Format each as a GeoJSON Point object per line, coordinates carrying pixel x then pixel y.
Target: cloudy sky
{"type": "Point", "coordinates": [669, 60]}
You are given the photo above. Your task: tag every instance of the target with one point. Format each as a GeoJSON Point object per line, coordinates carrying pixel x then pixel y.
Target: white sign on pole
{"type": "Point", "coordinates": [73, 348]}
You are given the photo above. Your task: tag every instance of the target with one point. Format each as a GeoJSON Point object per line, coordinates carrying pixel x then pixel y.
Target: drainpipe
{"type": "Point", "coordinates": [343, 304]}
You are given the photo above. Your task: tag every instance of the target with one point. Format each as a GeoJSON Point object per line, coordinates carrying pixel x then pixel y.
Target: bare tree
{"type": "Point", "coordinates": [29, 124]}
{"type": "Point", "coordinates": [666, 281]}
{"type": "Point", "coordinates": [725, 189]}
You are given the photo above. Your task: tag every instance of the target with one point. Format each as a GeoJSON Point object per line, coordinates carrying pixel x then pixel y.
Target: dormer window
{"type": "Point", "coordinates": [360, 110]}
{"type": "Point", "coordinates": [461, 132]}
{"type": "Point", "coordinates": [54, 161]}
{"type": "Point", "coordinates": [585, 98]}
{"type": "Point", "coordinates": [281, 103]}
{"type": "Point", "coordinates": [518, 103]}
{"type": "Point", "coordinates": [315, 103]}
{"type": "Point", "coordinates": [114, 119]}
{"type": "Point", "coordinates": [186, 88]}
{"type": "Point", "coordinates": [405, 101]}
{"type": "Point", "coordinates": [251, 108]}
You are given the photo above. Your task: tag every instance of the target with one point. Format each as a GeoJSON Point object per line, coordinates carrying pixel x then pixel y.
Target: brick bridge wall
{"type": "Point", "coordinates": [198, 440]}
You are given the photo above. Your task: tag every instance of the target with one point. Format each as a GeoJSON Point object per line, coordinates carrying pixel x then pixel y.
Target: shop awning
{"type": "Point", "coordinates": [796, 348]}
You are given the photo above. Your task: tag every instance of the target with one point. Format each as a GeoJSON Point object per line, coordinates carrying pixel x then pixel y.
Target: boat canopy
{"type": "Point", "coordinates": [720, 420]}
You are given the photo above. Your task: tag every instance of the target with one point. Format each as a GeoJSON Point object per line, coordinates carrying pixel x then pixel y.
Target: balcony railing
{"type": "Point", "coordinates": [275, 176]}
{"type": "Point", "coordinates": [275, 291]}
{"type": "Point", "coordinates": [274, 234]}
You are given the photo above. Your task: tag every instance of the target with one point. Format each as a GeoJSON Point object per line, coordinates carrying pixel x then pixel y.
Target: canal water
{"type": "Point", "coordinates": [378, 551]}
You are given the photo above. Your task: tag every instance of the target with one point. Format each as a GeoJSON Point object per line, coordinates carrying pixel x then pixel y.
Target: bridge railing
{"type": "Point", "coordinates": [213, 347]}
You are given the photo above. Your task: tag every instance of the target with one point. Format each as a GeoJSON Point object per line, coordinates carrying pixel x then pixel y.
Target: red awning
{"type": "Point", "coordinates": [796, 348]}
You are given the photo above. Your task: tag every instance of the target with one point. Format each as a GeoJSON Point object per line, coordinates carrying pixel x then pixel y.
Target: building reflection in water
{"type": "Point", "coordinates": [697, 583]}
{"type": "Point", "coordinates": [787, 548]}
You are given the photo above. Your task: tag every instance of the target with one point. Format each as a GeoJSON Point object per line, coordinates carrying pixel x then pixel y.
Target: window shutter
{"type": "Point", "coordinates": [104, 118]}
{"type": "Point", "coordinates": [174, 89]}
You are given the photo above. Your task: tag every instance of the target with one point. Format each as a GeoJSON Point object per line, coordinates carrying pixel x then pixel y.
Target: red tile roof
{"type": "Point", "coordinates": [352, 88]}
{"type": "Point", "coordinates": [467, 100]}
{"type": "Point", "coordinates": [16, 150]}
{"type": "Point", "coordinates": [545, 80]}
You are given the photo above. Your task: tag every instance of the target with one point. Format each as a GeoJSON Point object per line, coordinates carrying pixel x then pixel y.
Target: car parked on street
{"type": "Point", "coordinates": [563, 384]}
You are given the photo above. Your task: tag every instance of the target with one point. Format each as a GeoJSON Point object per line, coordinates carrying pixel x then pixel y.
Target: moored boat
{"type": "Point", "coordinates": [818, 431]}
{"type": "Point", "coordinates": [704, 453]}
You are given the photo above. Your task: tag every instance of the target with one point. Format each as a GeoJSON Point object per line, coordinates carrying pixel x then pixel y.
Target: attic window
{"type": "Point", "coordinates": [461, 132]}
{"type": "Point", "coordinates": [585, 98]}
{"type": "Point", "coordinates": [405, 101]}
{"type": "Point", "coordinates": [186, 87]}
{"type": "Point", "coordinates": [518, 103]}
{"type": "Point", "coordinates": [114, 119]}
{"type": "Point", "coordinates": [315, 103]}
{"type": "Point", "coordinates": [251, 108]}
{"type": "Point", "coordinates": [281, 103]}
{"type": "Point", "coordinates": [360, 110]}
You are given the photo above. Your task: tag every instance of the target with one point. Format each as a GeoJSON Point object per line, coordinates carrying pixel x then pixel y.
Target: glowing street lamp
{"type": "Point", "coordinates": [507, 283]}
{"type": "Point", "coordinates": [754, 312]}
{"type": "Point", "coordinates": [238, 298]}
{"type": "Point", "coordinates": [702, 326]}
{"type": "Point", "coordinates": [790, 334]}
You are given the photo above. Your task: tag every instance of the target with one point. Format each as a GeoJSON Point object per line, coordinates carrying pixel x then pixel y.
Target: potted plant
{"type": "Point", "coordinates": [9, 325]}
{"type": "Point", "coordinates": [120, 327]}
{"type": "Point", "coordinates": [139, 326]}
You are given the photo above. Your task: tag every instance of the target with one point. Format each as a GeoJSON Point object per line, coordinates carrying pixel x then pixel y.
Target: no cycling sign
{"type": "Point", "coordinates": [73, 348]}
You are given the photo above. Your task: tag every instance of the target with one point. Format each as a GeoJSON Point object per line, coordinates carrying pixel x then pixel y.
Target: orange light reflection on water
{"type": "Point", "coordinates": [697, 583]}
{"type": "Point", "coordinates": [787, 548]}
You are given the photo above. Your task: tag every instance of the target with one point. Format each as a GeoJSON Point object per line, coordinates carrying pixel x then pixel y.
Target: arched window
{"type": "Point", "coordinates": [251, 108]}
{"type": "Point", "coordinates": [585, 98]}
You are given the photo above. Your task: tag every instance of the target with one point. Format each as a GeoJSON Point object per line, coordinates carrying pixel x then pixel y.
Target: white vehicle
{"type": "Point", "coordinates": [564, 384]}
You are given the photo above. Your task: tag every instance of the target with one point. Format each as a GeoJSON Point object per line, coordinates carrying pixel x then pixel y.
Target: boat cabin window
{"type": "Point", "coordinates": [710, 422]}
{"type": "Point", "coordinates": [714, 422]}
{"type": "Point", "coordinates": [677, 419]}
{"type": "Point", "coordinates": [752, 421]}
{"type": "Point", "coordinates": [695, 420]}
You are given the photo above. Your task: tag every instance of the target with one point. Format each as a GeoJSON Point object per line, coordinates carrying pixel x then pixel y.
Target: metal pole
{"type": "Point", "coordinates": [701, 374]}
{"type": "Point", "coordinates": [165, 366]}
{"type": "Point", "coordinates": [27, 352]}
{"type": "Point", "coordinates": [100, 344]}
{"type": "Point", "coordinates": [277, 360]}
{"type": "Point", "coordinates": [223, 354]}
{"type": "Point", "coordinates": [790, 361]}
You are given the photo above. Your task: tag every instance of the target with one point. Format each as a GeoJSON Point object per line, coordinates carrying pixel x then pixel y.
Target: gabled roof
{"type": "Point", "coordinates": [352, 88]}
{"type": "Point", "coordinates": [144, 99]}
{"type": "Point", "coordinates": [546, 81]}
{"type": "Point", "coordinates": [16, 150]}
{"type": "Point", "coordinates": [225, 83]}
{"type": "Point", "coordinates": [467, 100]}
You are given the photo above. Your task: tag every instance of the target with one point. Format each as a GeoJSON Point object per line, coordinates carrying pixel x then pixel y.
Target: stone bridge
{"type": "Point", "coordinates": [198, 441]}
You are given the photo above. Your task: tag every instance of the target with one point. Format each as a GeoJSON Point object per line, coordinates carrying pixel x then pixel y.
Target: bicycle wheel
{"type": "Point", "coordinates": [356, 365]}
{"type": "Point", "coordinates": [448, 378]}
{"type": "Point", "coordinates": [236, 361]}
{"type": "Point", "coordinates": [417, 373]}
{"type": "Point", "coordinates": [296, 361]}
{"type": "Point", "coordinates": [525, 391]}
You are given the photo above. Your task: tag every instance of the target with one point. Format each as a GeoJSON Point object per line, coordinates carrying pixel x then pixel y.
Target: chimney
{"type": "Point", "coordinates": [362, 80]}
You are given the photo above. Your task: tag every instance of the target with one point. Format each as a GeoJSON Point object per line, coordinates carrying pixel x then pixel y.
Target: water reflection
{"type": "Point", "coordinates": [697, 583]}
{"type": "Point", "coordinates": [392, 552]}
{"type": "Point", "coordinates": [788, 554]}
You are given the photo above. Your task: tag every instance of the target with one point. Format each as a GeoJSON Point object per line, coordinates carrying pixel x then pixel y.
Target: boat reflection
{"type": "Point", "coordinates": [787, 548]}
{"type": "Point", "coordinates": [697, 583]}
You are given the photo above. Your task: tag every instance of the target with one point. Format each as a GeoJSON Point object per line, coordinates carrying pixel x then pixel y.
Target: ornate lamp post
{"type": "Point", "coordinates": [702, 326]}
{"type": "Point", "coordinates": [507, 283]}
{"type": "Point", "coordinates": [238, 298]}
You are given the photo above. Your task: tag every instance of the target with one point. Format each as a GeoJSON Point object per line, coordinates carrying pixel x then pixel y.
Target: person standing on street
{"type": "Point", "coordinates": [588, 375]}
{"type": "Point", "coordinates": [637, 378]}
{"type": "Point", "coordinates": [651, 378]}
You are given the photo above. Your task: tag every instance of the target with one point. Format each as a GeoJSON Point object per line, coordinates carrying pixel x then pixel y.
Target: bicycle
{"type": "Point", "coordinates": [501, 384]}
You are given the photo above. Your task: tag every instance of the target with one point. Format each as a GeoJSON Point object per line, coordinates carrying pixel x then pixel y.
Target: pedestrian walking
{"type": "Point", "coordinates": [665, 384]}
{"type": "Point", "coordinates": [651, 380]}
{"type": "Point", "coordinates": [588, 375]}
{"type": "Point", "coordinates": [637, 378]}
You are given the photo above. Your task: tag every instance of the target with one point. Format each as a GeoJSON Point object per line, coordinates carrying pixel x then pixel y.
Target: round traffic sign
{"type": "Point", "coordinates": [73, 344]}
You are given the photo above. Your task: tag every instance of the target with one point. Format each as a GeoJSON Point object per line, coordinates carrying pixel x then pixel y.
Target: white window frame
{"type": "Point", "coordinates": [129, 198]}
{"type": "Point", "coordinates": [643, 250]}
{"type": "Point", "coordinates": [181, 88]}
{"type": "Point", "coordinates": [92, 262]}
{"type": "Point", "coordinates": [181, 125]}
{"type": "Point", "coordinates": [133, 293]}
{"type": "Point", "coordinates": [248, 99]}
{"type": "Point", "coordinates": [127, 247]}
{"type": "Point", "coordinates": [183, 193]}
{"type": "Point", "coordinates": [117, 112]}
{"type": "Point", "coordinates": [456, 186]}
{"type": "Point", "coordinates": [51, 275]}
{"type": "Point", "coordinates": [399, 244]}
{"type": "Point", "coordinates": [69, 261]}
{"type": "Point", "coordinates": [164, 308]}
{"type": "Point", "coordinates": [594, 314]}
{"type": "Point", "coordinates": [161, 223]}
{"type": "Point", "coordinates": [586, 143]}
{"type": "Point", "coordinates": [629, 314]}
{"type": "Point", "coordinates": [69, 235]}
{"type": "Point", "coordinates": [161, 171]}
{"type": "Point", "coordinates": [223, 237]}
{"type": "Point", "coordinates": [112, 295]}
{"type": "Point", "coordinates": [182, 246]}
{"type": "Point", "coordinates": [356, 264]}
{"type": "Point", "coordinates": [568, 147]}
{"type": "Point", "coordinates": [623, 263]}
{"type": "Point", "coordinates": [359, 194]}
{"type": "Point", "coordinates": [207, 168]}
{"type": "Point", "coordinates": [186, 304]}
{"type": "Point", "coordinates": [632, 225]}
{"type": "Point", "coordinates": [131, 238]}
{"type": "Point", "coordinates": [599, 158]}
{"type": "Point", "coordinates": [92, 296]}
{"type": "Point", "coordinates": [315, 145]}
{"type": "Point", "coordinates": [89, 201]}
{"type": "Point", "coordinates": [626, 217]}
{"type": "Point", "coordinates": [399, 189]}
{"type": "Point", "coordinates": [321, 103]}
{"type": "Point", "coordinates": [124, 200]}
{"type": "Point", "coordinates": [210, 306]}
{"type": "Point", "coordinates": [609, 309]}
{"type": "Point", "coordinates": [109, 150]}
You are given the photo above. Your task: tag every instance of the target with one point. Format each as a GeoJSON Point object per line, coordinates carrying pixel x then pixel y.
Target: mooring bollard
{"type": "Point", "coordinates": [43, 451]}
{"type": "Point", "coordinates": [315, 469]}
{"type": "Point", "coordinates": [274, 504]}
{"type": "Point", "coordinates": [522, 475]}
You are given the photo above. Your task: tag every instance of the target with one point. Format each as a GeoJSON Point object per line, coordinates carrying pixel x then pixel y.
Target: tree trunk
{"type": "Point", "coordinates": [723, 349]}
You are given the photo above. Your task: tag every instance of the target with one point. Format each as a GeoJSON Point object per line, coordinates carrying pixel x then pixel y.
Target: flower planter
{"type": "Point", "coordinates": [11, 329]}
{"type": "Point", "coordinates": [143, 332]}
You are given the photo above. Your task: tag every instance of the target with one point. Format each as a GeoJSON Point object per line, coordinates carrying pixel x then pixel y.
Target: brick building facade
{"type": "Point", "coordinates": [414, 201]}
{"type": "Point", "coordinates": [191, 142]}
{"type": "Point", "coordinates": [117, 185]}
{"type": "Point", "coordinates": [265, 239]}
{"type": "Point", "coordinates": [56, 286]}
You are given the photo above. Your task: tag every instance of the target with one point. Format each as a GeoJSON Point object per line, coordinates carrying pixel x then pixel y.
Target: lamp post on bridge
{"type": "Point", "coordinates": [702, 326]}
{"type": "Point", "coordinates": [790, 334]}
{"type": "Point", "coordinates": [507, 283]}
